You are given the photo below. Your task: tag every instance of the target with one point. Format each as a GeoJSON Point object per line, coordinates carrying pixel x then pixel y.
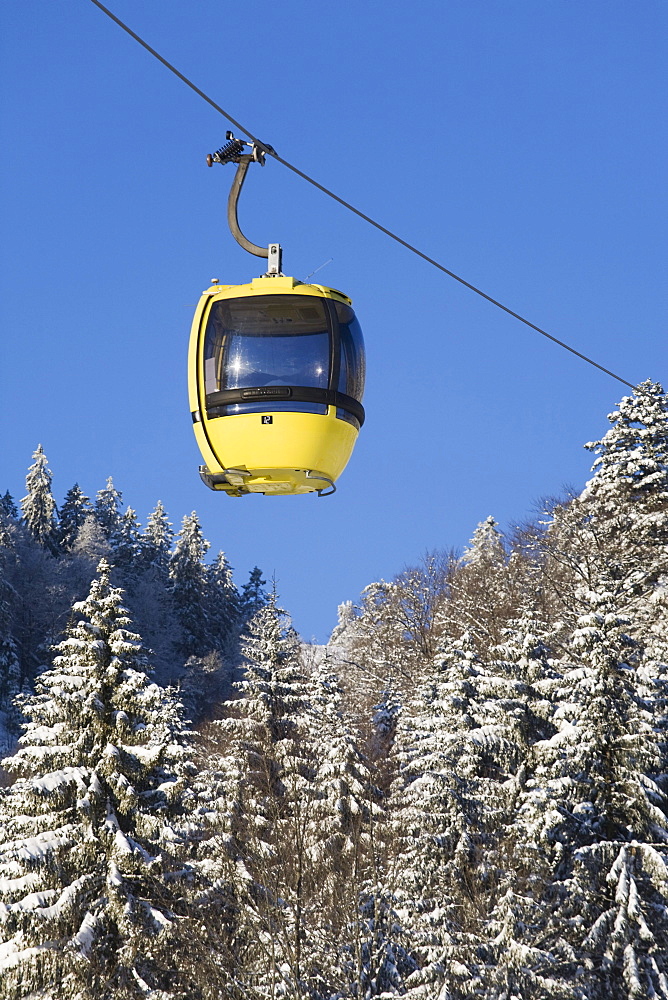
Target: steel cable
{"type": "Point", "coordinates": [270, 151]}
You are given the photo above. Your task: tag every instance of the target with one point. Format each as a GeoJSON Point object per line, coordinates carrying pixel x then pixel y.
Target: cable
{"type": "Point", "coordinates": [270, 151]}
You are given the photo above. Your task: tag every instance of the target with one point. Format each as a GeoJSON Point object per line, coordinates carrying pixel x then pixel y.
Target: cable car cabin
{"type": "Point", "coordinates": [276, 373]}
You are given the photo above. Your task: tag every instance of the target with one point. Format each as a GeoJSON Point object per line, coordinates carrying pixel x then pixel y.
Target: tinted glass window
{"type": "Point", "coordinates": [353, 368]}
{"type": "Point", "coordinates": [267, 340]}
{"type": "Point", "coordinates": [276, 406]}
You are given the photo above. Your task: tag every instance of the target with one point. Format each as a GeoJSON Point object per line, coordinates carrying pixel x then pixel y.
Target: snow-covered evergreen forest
{"type": "Point", "coordinates": [463, 795]}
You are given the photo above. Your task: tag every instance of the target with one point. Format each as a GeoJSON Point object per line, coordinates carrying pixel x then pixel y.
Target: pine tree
{"type": "Point", "coordinates": [438, 815]}
{"type": "Point", "coordinates": [343, 633]}
{"type": "Point", "coordinates": [632, 457]}
{"type": "Point", "coordinates": [188, 587]}
{"type": "Point", "coordinates": [223, 604]}
{"type": "Point", "coordinates": [385, 718]}
{"type": "Point", "coordinates": [486, 547]}
{"type": "Point", "coordinates": [10, 666]}
{"type": "Point", "coordinates": [270, 808]}
{"type": "Point", "coordinates": [91, 541]}
{"type": "Point", "coordinates": [127, 544]}
{"type": "Point", "coordinates": [253, 594]}
{"type": "Point", "coordinates": [157, 540]}
{"type": "Point", "coordinates": [107, 510]}
{"type": "Point", "coordinates": [628, 943]}
{"type": "Point", "coordinates": [617, 529]}
{"type": "Point", "coordinates": [76, 508]}
{"type": "Point", "coordinates": [377, 655]}
{"type": "Point", "coordinates": [39, 507]}
{"type": "Point", "coordinates": [519, 961]}
{"type": "Point", "coordinates": [8, 507]}
{"type": "Point", "coordinates": [341, 835]}
{"type": "Point", "coordinates": [93, 891]}
{"type": "Point", "coordinates": [525, 658]}
{"type": "Point", "coordinates": [590, 804]}
{"type": "Point", "coordinates": [485, 590]}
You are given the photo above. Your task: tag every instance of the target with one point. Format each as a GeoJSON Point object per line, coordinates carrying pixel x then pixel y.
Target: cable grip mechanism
{"type": "Point", "coordinates": [233, 152]}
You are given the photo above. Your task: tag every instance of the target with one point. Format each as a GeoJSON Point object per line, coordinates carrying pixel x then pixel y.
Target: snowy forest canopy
{"type": "Point", "coordinates": [463, 795]}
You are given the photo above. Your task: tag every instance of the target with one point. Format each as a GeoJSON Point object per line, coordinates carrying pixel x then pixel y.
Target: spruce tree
{"type": "Point", "coordinates": [592, 810]}
{"type": "Point", "coordinates": [223, 605]}
{"type": "Point", "coordinates": [486, 547]}
{"type": "Point", "coordinates": [438, 810]}
{"type": "Point", "coordinates": [485, 589]}
{"type": "Point", "coordinates": [343, 633]}
{"type": "Point", "coordinates": [76, 508]}
{"type": "Point", "coordinates": [91, 541]}
{"type": "Point", "coordinates": [108, 510]}
{"type": "Point", "coordinates": [632, 457]}
{"type": "Point", "coordinates": [343, 836]}
{"type": "Point", "coordinates": [377, 655]}
{"type": "Point", "coordinates": [96, 826]}
{"type": "Point", "coordinates": [127, 545]}
{"type": "Point", "coordinates": [38, 505]}
{"type": "Point", "coordinates": [10, 666]}
{"type": "Point", "coordinates": [519, 960]}
{"type": "Point", "coordinates": [269, 809]}
{"type": "Point", "coordinates": [157, 540]}
{"type": "Point", "coordinates": [8, 507]}
{"type": "Point", "coordinates": [188, 587]}
{"type": "Point", "coordinates": [617, 529]}
{"type": "Point", "coordinates": [253, 594]}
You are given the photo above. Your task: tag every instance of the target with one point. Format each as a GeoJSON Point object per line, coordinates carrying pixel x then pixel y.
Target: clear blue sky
{"type": "Point", "coordinates": [521, 142]}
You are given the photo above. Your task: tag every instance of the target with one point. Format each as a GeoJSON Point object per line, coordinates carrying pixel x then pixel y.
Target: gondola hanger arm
{"type": "Point", "coordinates": [233, 152]}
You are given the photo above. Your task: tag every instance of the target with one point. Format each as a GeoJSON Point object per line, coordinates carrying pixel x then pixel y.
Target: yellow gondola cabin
{"type": "Point", "coordinates": [276, 377]}
{"type": "Point", "coordinates": [276, 371]}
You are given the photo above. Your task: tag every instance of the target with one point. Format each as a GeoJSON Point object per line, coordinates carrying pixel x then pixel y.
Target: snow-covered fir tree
{"type": "Point", "coordinates": [74, 511]}
{"type": "Point", "coordinates": [108, 509]}
{"type": "Point", "coordinates": [618, 527]}
{"type": "Point", "coordinates": [224, 604]}
{"type": "Point", "coordinates": [269, 810]}
{"type": "Point", "coordinates": [8, 507]}
{"type": "Point", "coordinates": [450, 743]}
{"type": "Point", "coordinates": [95, 830]}
{"type": "Point", "coordinates": [485, 589]}
{"type": "Point", "coordinates": [10, 666]}
{"type": "Point", "coordinates": [91, 542]}
{"type": "Point", "coordinates": [343, 633]}
{"type": "Point", "coordinates": [38, 505]}
{"type": "Point", "coordinates": [590, 794]}
{"type": "Point", "coordinates": [632, 457]}
{"type": "Point", "coordinates": [157, 539]}
{"type": "Point", "coordinates": [188, 586]}
{"type": "Point", "coordinates": [346, 834]}
{"type": "Point", "coordinates": [486, 547]}
{"type": "Point", "coordinates": [127, 544]}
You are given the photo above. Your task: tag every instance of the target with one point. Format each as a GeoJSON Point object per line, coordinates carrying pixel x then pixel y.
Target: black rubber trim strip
{"type": "Point", "coordinates": [280, 393]}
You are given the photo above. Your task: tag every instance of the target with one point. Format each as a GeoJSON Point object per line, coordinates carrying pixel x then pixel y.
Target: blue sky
{"type": "Point", "coordinates": [522, 143]}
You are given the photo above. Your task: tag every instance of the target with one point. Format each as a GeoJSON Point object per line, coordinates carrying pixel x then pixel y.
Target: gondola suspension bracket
{"type": "Point", "coordinates": [233, 152]}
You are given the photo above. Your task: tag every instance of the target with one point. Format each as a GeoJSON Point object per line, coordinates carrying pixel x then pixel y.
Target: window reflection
{"type": "Point", "coordinates": [353, 368]}
{"type": "Point", "coordinates": [276, 340]}
{"type": "Point", "coordinates": [267, 340]}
